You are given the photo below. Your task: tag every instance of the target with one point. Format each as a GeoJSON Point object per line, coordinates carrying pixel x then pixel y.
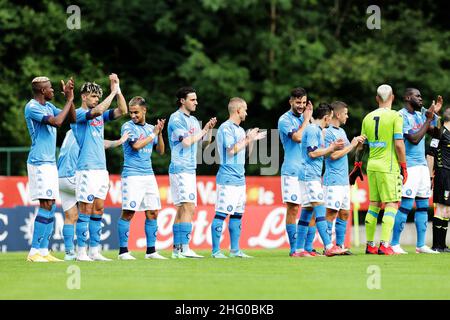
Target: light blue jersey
{"type": "Point", "coordinates": [137, 162]}
{"type": "Point", "coordinates": [90, 138]}
{"type": "Point", "coordinates": [288, 124]}
{"type": "Point", "coordinates": [232, 167]}
{"type": "Point", "coordinates": [312, 139]}
{"type": "Point", "coordinates": [43, 135]}
{"type": "Point", "coordinates": [412, 123]}
{"type": "Point", "coordinates": [336, 171]}
{"type": "Point", "coordinates": [68, 156]}
{"type": "Point", "coordinates": [182, 126]}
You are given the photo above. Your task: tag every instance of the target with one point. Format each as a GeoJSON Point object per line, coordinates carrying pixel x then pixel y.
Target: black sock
{"type": "Point", "coordinates": [150, 250]}
{"type": "Point", "coordinates": [436, 232]}
{"type": "Point", "coordinates": [444, 228]}
{"type": "Point", "coordinates": [123, 250]}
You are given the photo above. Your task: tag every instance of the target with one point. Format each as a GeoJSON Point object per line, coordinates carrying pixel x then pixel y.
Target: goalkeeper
{"type": "Point", "coordinates": [383, 128]}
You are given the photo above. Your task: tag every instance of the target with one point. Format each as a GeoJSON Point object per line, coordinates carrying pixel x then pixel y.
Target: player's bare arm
{"type": "Point", "coordinates": [187, 142]}
{"type": "Point", "coordinates": [160, 147]}
{"type": "Point", "coordinates": [69, 109]}
{"type": "Point", "coordinates": [355, 142]}
{"type": "Point", "coordinates": [105, 104]}
{"type": "Point", "coordinates": [116, 143]}
{"type": "Point", "coordinates": [335, 145]}
{"type": "Point", "coordinates": [307, 116]}
{"type": "Point", "coordinates": [415, 138]}
{"type": "Point", "coordinates": [122, 108]}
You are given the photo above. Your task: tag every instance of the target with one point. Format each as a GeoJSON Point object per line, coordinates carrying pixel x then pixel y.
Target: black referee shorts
{"type": "Point", "coordinates": [441, 189]}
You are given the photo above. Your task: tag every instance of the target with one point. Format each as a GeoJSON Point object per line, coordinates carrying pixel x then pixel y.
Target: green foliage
{"type": "Point", "coordinates": [256, 49]}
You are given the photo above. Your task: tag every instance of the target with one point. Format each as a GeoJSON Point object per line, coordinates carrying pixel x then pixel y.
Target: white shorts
{"type": "Point", "coordinates": [183, 187]}
{"type": "Point", "coordinates": [311, 191]}
{"type": "Point", "coordinates": [337, 197]}
{"type": "Point", "coordinates": [418, 183]}
{"type": "Point", "coordinates": [67, 187]}
{"type": "Point", "coordinates": [43, 181]}
{"type": "Point", "coordinates": [290, 189]}
{"type": "Point", "coordinates": [231, 199]}
{"type": "Point", "coordinates": [140, 193]}
{"type": "Point", "coordinates": [91, 184]}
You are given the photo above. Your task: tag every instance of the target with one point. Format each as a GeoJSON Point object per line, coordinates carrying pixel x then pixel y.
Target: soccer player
{"type": "Point", "coordinates": [416, 123]}
{"type": "Point", "coordinates": [67, 162]}
{"type": "Point", "coordinates": [310, 177]}
{"type": "Point", "coordinates": [42, 119]}
{"type": "Point", "coordinates": [335, 180]}
{"type": "Point", "coordinates": [139, 187]}
{"type": "Point", "coordinates": [291, 126]}
{"type": "Point", "coordinates": [91, 175]}
{"type": "Point", "coordinates": [184, 134]}
{"type": "Point", "coordinates": [383, 129]}
{"type": "Point", "coordinates": [440, 150]}
{"type": "Point", "coordinates": [231, 193]}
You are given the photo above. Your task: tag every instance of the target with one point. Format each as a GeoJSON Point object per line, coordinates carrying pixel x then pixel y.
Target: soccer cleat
{"type": "Point", "coordinates": [302, 254]}
{"type": "Point", "coordinates": [98, 257]}
{"type": "Point", "coordinates": [51, 258]}
{"type": "Point", "coordinates": [426, 249]}
{"type": "Point", "coordinates": [125, 256]}
{"type": "Point", "coordinates": [346, 253]}
{"type": "Point", "coordinates": [315, 253]}
{"type": "Point", "coordinates": [36, 258]}
{"type": "Point", "coordinates": [334, 251]}
{"type": "Point", "coordinates": [155, 255]}
{"type": "Point", "coordinates": [385, 250]}
{"type": "Point", "coordinates": [70, 256]}
{"type": "Point", "coordinates": [82, 256]}
{"type": "Point", "coordinates": [371, 249]}
{"type": "Point", "coordinates": [219, 255]}
{"type": "Point", "coordinates": [188, 254]}
{"type": "Point", "coordinates": [398, 250]}
{"type": "Point", "coordinates": [239, 254]}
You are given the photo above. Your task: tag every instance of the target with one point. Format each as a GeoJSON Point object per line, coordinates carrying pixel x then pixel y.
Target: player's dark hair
{"type": "Point", "coordinates": [338, 106]}
{"type": "Point", "coordinates": [408, 92]}
{"type": "Point", "coordinates": [298, 92]}
{"type": "Point", "coordinates": [182, 94]}
{"type": "Point", "coordinates": [91, 87]}
{"type": "Point", "coordinates": [138, 101]}
{"type": "Point", "coordinates": [324, 109]}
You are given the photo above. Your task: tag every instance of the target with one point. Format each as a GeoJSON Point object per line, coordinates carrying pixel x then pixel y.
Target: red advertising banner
{"type": "Point", "coordinates": [263, 223]}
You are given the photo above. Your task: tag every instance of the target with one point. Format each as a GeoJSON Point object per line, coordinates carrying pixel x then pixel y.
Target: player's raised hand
{"type": "Point", "coordinates": [252, 133]}
{"type": "Point", "coordinates": [67, 89]}
{"type": "Point", "coordinates": [430, 112]}
{"type": "Point", "coordinates": [114, 82]}
{"type": "Point", "coordinates": [162, 122]}
{"type": "Point", "coordinates": [212, 122]}
{"type": "Point", "coordinates": [261, 135]}
{"type": "Point", "coordinates": [355, 173]}
{"type": "Point", "coordinates": [438, 105]}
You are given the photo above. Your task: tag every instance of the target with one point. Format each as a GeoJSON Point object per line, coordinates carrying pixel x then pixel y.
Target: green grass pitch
{"type": "Point", "coordinates": [270, 275]}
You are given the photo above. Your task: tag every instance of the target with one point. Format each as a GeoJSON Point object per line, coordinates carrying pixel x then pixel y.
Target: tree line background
{"type": "Point", "coordinates": [255, 49]}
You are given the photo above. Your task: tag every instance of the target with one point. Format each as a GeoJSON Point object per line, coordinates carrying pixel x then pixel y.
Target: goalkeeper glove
{"type": "Point", "coordinates": [356, 172]}
{"type": "Point", "coordinates": [404, 171]}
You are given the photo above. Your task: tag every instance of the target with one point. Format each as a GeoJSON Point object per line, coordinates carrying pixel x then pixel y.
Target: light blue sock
{"type": "Point", "coordinates": [176, 235]}
{"type": "Point", "coordinates": [341, 228]}
{"type": "Point", "coordinates": [234, 227]}
{"type": "Point", "coordinates": [291, 230]}
{"type": "Point", "coordinates": [310, 238]}
{"type": "Point", "coordinates": [321, 224]}
{"type": "Point", "coordinates": [400, 219]}
{"type": "Point", "coordinates": [185, 232]}
{"type": "Point", "coordinates": [42, 220]}
{"type": "Point", "coordinates": [95, 230]}
{"type": "Point", "coordinates": [68, 235]}
{"type": "Point", "coordinates": [330, 228]}
{"type": "Point", "coordinates": [123, 227]}
{"type": "Point", "coordinates": [216, 230]}
{"type": "Point", "coordinates": [151, 229]}
{"type": "Point", "coordinates": [302, 227]}
{"type": "Point", "coordinates": [421, 220]}
{"type": "Point", "coordinates": [49, 229]}
{"type": "Point", "coordinates": [82, 229]}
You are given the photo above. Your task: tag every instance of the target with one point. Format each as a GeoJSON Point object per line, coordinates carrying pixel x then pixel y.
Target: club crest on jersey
{"type": "Point", "coordinates": [132, 204]}
{"type": "Point", "coordinates": [229, 208]}
{"type": "Point", "coordinates": [90, 197]}
{"type": "Point", "coordinates": [191, 196]}
{"type": "Point", "coordinates": [294, 197]}
{"type": "Point", "coordinates": [96, 123]}
{"type": "Point", "coordinates": [409, 192]}
{"type": "Point", "coordinates": [49, 192]}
